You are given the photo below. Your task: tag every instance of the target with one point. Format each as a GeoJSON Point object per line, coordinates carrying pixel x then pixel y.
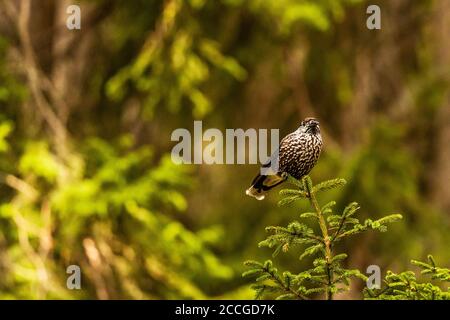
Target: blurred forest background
{"type": "Point", "coordinates": [86, 117]}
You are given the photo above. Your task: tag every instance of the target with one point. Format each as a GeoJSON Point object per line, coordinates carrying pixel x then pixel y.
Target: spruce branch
{"type": "Point", "coordinates": [327, 276]}
{"type": "Point", "coordinates": [307, 182]}
{"type": "Point", "coordinates": [280, 284]}
{"type": "Point", "coordinates": [405, 286]}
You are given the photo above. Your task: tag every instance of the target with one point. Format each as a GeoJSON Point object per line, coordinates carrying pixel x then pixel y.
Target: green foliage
{"type": "Point", "coordinates": [289, 14]}
{"type": "Point", "coordinates": [11, 89]}
{"type": "Point", "coordinates": [175, 52]}
{"type": "Point", "coordinates": [139, 226]}
{"type": "Point", "coordinates": [405, 286]}
{"type": "Point", "coordinates": [114, 215]}
{"type": "Point", "coordinates": [327, 275]}
{"type": "Point", "coordinates": [6, 128]}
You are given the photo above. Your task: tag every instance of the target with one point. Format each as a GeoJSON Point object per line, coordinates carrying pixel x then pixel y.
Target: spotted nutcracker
{"type": "Point", "coordinates": [296, 156]}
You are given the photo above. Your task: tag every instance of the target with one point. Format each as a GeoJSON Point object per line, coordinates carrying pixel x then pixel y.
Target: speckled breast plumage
{"type": "Point", "coordinates": [299, 152]}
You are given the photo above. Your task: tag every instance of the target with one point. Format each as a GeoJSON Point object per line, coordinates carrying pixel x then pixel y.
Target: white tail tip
{"type": "Point", "coordinates": [250, 192]}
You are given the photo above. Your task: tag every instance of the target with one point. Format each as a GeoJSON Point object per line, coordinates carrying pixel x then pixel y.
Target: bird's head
{"type": "Point", "coordinates": [310, 125]}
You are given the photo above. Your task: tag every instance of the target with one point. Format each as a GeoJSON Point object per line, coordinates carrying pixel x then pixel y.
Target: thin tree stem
{"type": "Point", "coordinates": [327, 242]}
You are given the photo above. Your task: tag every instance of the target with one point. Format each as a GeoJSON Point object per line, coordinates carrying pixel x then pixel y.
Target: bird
{"type": "Point", "coordinates": [296, 155]}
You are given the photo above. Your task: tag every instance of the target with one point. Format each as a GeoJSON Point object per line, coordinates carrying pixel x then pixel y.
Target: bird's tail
{"type": "Point", "coordinates": [262, 183]}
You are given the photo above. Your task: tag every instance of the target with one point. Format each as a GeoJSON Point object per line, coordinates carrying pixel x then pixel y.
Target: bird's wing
{"type": "Point", "coordinates": [274, 159]}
